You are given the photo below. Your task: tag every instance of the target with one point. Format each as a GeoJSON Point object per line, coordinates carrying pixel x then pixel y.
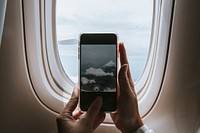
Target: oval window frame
{"type": "Point", "coordinates": [47, 75]}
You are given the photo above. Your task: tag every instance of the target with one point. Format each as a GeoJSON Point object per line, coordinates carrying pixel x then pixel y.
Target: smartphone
{"type": "Point", "coordinates": [98, 70]}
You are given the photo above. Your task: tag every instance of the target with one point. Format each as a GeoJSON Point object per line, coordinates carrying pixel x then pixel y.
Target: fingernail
{"type": "Point", "coordinates": [121, 44]}
{"type": "Point", "coordinates": [73, 94]}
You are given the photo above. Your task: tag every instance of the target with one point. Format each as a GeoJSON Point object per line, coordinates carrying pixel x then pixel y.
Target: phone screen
{"type": "Point", "coordinates": [98, 72]}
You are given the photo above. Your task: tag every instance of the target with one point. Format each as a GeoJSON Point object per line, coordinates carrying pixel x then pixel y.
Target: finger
{"type": "Point", "coordinates": [118, 89]}
{"type": "Point", "coordinates": [125, 88]}
{"type": "Point", "coordinates": [99, 119]}
{"type": "Point", "coordinates": [123, 56]}
{"type": "Point", "coordinates": [76, 89]}
{"type": "Point", "coordinates": [94, 109]}
{"type": "Point", "coordinates": [70, 107]}
{"type": "Point", "coordinates": [124, 60]}
{"type": "Point", "coordinates": [77, 114]}
{"type": "Point", "coordinates": [113, 115]}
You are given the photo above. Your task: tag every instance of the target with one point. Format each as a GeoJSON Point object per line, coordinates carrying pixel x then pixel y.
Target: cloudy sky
{"type": "Point", "coordinates": [131, 19]}
{"type": "Point", "coordinates": [96, 56]}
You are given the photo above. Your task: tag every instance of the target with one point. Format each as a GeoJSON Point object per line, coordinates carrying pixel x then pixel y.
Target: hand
{"type": "Point", "coordinates": [127, 118]}
{"type": "Point", "coordinates": [69, 123]}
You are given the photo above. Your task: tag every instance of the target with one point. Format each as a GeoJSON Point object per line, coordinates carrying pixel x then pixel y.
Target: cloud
{"type": "Point", "coordinates": [109, 64]}
{"type": "Point", "coordinates": [84, 80]}
{"type": "Point", "coordinates": [110, 89]}
{"type": "Point", "coordinates": [92, 81]}
{"type": "Point", "coordinates": [97, 72]}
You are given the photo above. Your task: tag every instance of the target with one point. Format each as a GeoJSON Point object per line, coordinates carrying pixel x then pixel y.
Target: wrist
{"type": "Point", "coordinates": [134, 126]}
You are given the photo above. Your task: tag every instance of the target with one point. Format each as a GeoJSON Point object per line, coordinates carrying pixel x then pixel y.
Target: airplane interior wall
{"type": "Point", "coordinates": [177, 109]}
{"type": "Point", "coordinates": [20, 110]}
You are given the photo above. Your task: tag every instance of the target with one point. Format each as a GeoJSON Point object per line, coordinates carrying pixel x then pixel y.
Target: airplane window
{"type": "Point", "coordinates": [130, 19]}
{"type": "Point", "coordinates": [143, 25]}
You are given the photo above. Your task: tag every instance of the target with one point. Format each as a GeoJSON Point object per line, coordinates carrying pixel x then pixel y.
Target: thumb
{"type": "Point", "coordinates": [94, 109]}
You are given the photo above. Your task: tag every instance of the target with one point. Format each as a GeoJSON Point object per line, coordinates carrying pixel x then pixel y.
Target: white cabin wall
{"type": "Point", "coordinates": [20, 112]}
{"type": "Point", "coordinates": [178, 107]}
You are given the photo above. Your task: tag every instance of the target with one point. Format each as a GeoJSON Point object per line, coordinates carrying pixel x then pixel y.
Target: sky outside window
{"type": "Point", "coordinates": [130, 19]}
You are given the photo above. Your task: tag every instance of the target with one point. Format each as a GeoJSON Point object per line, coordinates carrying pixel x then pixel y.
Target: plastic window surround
{"type": "Point", "coordinates": [49, 80]}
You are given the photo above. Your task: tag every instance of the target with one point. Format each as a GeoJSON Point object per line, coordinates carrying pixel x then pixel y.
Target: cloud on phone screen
{"type": "Point", "coordinates": [98, 72]}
